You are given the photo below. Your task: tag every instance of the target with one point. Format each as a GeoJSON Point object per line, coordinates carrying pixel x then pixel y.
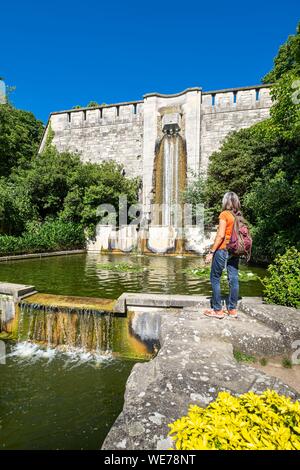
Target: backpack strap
{"type": "Point", "coordinates": [235, 222]}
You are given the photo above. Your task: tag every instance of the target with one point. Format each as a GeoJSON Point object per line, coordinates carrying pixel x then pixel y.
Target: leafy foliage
{"type": "Point", "coordinates": [263, 361]}
{"type": "Point", "coordinates": [273, 206]}
{"type": "Point", "coordinates": [250, 422]}
{"type": "Point", "coordinates": [242, 357]}
{"type": "Point", "coordinates": [285, 111]}
{"type": "Point", "coordinates": [15, 207]}
{"type": "Point", "coordinates": [93, 104]}
{"type": "Point", "coordinates": [49, 236]}
{"type": "Point", "coordinates": [20, 135]}
{"type": "Point", "coordinates": [195, 196]}
{"type": "Point", "coordinates": [110, 185]}
{"type": "Point", "coordinates": [238, 163]}
{"type": "Point", "coordinates": [282, 285]}
{"type": "Point", "coordinates": [287, 363]}
{"type": "Point", "coordinates": [287, 59]}
{"type": "Point", "coordinates": [59, 185]}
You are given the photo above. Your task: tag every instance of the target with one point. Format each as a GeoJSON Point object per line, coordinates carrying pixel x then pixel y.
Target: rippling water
{"type": "Point", "coordinates": [80, 275]}
{"type": "Point", "coordinates": [59, 400]}
{"type": "Point", "coordinates": [68, 399]}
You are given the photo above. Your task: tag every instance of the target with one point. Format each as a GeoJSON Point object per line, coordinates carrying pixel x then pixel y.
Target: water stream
{"type": "Point", "coordinates": [55, 400]}
{"type": "Point", "coordinates": [169, 180]}
{"type": "Point", "coordinates": [63, 383]}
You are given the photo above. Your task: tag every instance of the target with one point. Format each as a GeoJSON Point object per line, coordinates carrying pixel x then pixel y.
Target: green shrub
{"type": "Point", "coordinates": [282, 285]}
{"type": "Point", "coordinates": [250, 422]}
{"type": "Point", "coordinates": [242, 357]}
{"type": "Point", "coordinates": [286, 363]}
{"type": "Point", "coordinates": [263, 361]}
{"type": "Point", "coordinates": [50, 236]}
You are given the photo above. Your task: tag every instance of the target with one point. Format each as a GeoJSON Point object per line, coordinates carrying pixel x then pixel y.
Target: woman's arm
{"type": "Point", "coordinates": [220, 236]}
{"type": "Point", "coordinates": [218, 240]}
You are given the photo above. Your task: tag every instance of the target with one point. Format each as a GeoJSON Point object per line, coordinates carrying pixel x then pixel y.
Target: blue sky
{"type": "Point", "coordinates": [62, 53]}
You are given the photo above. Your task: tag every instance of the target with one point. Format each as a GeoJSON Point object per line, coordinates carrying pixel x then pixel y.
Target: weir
{"type": "Point", "coordinates": [87, 331]}
{"type": "Point", "coordinates": [82, 326]}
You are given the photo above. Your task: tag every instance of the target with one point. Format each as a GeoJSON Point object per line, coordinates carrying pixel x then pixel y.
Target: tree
{"type": "Point", "coordinates": [15, 207]}
{"type": "Point", "coordinates": [20, 135]}
{"type": "Point", "coordinates": [196, 197]}
{"type": "Point", "coordinates": [59, 185]}
{"type": "Point", "coordinates": [47, 180]}
{"type": "Point", "coordinates": [285, 111]}
{"type": "Point", "coordinates": [239, 162]}
{"type": "Point", "coordinates": [51, 189]}
{"type": "Point", "coordinates": [287, 59]}
{"type": "Point", "coordinates": [111, 184]}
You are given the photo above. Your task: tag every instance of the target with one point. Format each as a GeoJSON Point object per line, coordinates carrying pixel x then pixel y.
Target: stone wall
{"type": "Point", "coordinates": [227, 111]}
{"type": "Point", "coordinates": [127, 132]}
{"type": "Point", "coordinates": [104, 133]}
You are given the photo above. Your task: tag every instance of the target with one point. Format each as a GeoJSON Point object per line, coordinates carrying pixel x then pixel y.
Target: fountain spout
{"type": "Point", "coordinates": [171, 123]}
{"type": "Point", "coordinates": [169, 175]}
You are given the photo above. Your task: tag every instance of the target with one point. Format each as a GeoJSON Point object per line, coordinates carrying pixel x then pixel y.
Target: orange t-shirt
{"type": "Point", "coordinates": [229, 219]}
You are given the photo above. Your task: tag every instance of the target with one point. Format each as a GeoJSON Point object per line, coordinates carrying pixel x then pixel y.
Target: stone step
{"type": "Point", "coordinates": [17, 291]}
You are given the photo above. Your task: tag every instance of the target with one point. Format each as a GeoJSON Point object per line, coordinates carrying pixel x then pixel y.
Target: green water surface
{"type": "Point", "coordinates": [60, 402]}
{"type": "Point", "coordinates": [56, 401]}
{"type": "Point", "coordinates": [80, 275]}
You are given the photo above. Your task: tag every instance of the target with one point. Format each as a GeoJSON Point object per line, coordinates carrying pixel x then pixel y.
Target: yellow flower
{"type": "Point", "coordinates": [251, 421]}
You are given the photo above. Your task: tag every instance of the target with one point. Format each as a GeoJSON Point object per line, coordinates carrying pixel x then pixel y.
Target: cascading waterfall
{"type": "Point", "coordinates": [85, 331]}
{"type": "Point", "coordinates": [79, 334]}
{"type": "Point", "coordinates": [169, 179]}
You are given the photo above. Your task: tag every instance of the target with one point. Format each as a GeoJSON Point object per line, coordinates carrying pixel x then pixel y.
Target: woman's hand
{"type": "Point", "coordinates": [208, 258]}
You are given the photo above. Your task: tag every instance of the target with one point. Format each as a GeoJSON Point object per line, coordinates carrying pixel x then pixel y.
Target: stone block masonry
{"type": "Point", "coordinates": [127, 132]}
{"type": "Point", "coordinates": [102, 134]}
{"type": "Point", "coordinates": [230, 110]}
{"type": "Point", "coordinates": [130, 133]}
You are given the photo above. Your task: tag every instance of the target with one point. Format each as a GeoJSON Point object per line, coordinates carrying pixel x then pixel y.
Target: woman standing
{"type": "Point", "coordinates": [220, 258]}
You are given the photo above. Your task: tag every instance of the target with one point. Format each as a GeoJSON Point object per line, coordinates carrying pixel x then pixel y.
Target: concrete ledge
{"type": "Point", "coordinates": [127, 300]}
{"type": "Point", "coordinates": [174, 95]}
{"type": "Point", "coordinates": [68, 303]}
{"type": "Point", "coordinates": [41, 255]}
{"type": "Point", "coordinates": [100, 106]}
{"type": "Point", "coordinates": [241, 88]}
{"type": "Point", "coordinates": [17, 291]}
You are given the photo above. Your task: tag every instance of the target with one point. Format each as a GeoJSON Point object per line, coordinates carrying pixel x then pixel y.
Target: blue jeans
{"type": "Point", "coordinates": [221, 260]}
